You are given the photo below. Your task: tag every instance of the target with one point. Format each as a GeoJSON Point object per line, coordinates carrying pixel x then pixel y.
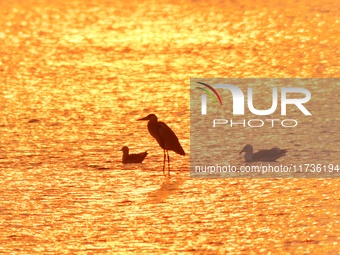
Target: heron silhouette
{"type": "Point", "coordinates": [132, 158]}
{"type": "Point", "coordinates": [165, 137]}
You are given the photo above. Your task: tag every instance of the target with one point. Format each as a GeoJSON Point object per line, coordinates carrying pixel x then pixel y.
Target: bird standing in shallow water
{"type": "Point", "coordinates": [262, 155]}
{"type": "Point", "coordinates": [165, 137]}
{"type": "Point", "coordinates": [132, 158]}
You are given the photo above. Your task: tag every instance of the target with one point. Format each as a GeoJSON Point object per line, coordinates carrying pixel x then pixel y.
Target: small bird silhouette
{"type": "Point", "coordinates": [132, 158]}
{"type": "Point", "coordinates": [262, 155]}
{"type": "Point", "coordinates": [165, 137]}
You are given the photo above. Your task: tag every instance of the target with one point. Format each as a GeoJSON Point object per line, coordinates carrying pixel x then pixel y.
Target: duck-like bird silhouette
{"type": "Point", "coordinates": [132, 158]}
{"type": "Point", "coordinates": [165, 137]}
{"type": "Point", "coordinates": [262, 155]}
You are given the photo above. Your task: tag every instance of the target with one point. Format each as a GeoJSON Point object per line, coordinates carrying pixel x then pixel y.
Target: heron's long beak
{"type": "Point", "coordinates": [145, 118]}
{"type": "Point", "coordinates": [241, 152]}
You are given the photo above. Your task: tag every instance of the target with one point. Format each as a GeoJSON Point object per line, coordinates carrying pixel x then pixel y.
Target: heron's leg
{"type": "Point", "coordinates": [167, 152]}
{"type": "Point", "coordinates": [164, 162]}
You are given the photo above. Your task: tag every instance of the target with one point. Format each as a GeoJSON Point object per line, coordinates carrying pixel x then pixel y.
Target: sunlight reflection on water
{"type": "Point", "coordinates": [76, 76]}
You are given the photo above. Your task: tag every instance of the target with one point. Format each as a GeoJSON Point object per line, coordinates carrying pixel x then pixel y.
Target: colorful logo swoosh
{"type": "Point", "coordinates": [209, 92]}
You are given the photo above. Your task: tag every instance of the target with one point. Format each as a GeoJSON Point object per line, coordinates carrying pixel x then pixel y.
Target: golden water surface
{"type": "Point", "coordinates": [76, 75]}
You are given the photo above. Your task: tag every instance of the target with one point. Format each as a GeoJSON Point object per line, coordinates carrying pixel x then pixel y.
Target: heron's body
{"type": "Point", "coordinates": [132, 158]}
{"type": "Point", "coordinates": [262, 155]}
{"type": "Point", "coordinates": [165, 137]}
